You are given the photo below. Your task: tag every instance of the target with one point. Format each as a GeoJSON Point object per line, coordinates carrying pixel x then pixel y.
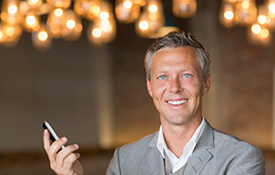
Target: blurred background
{"type": "Point", "coordinates": [79, 65]}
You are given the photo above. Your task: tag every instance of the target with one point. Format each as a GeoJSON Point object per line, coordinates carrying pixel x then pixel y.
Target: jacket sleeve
{"type": "Point", "coordinates": [251, 162]}
{"type": "Point", "coordinates": [114, 165]}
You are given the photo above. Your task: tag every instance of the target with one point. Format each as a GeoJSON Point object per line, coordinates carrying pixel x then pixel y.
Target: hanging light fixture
{"type": "Point", "coordinates": [10, 13]}
{"type": "Point", "coordinates": [41, 39]}
{"type": "Point", "coordinates": [31, 22]}
{"type": "Point", "coordinates": [263, 18]}
{"type": "Point", "coordinates": [87, 8]}
{"type": "Point", "coordinates": [260, 21]}
{"type": "Point", "coordinates": [259, 32]}
{"type": "Point", "coordinates": [72, 27]}
{"type": "Point", "coordinates": [259, 35]}
{"type": "Point", "coordinates": [246, 12]}
{"type": "Point", "coordinates": [127, 11]}
{"type": "Point", "coordinates": [184, 8]}
{"type": "Point", "coordinates": [55, 22]}
{"type": "Point", "coordinates": [103, 29]}
{"type": "Point", "coordinates": [227, 14]}
{"type": "Point", "coordinates": [12, 34]}
{"type": "Point", "coordinates": [151, 19]}
{"type": "Point", "coordinates": [271, 8]}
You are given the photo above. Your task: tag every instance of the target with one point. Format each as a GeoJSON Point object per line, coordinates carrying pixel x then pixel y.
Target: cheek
{"type": "Point", "coordinates": [158, 90]}
{"type": "Point", "coordinates": [195, 88]}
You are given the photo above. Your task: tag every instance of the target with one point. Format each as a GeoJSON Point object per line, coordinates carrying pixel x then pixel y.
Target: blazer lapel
{"type": "Point", "coordinates": [153, 162]}
{"type": "Point", "coordinates": [201, 154]}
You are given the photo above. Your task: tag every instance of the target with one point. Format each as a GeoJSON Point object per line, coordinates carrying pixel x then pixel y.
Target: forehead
{"type": "Point", "coordinates": [176, 56]}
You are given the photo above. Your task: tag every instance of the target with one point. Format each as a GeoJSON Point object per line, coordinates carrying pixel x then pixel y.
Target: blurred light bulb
{"type": "Point", "coordinates": [259, 35]}
{"type": "Point", "coordinates": [104, 15]}
{"type": "Point", "coordinates": [10, 12]}
{"type": "Point", "coordinates": [11, 34]}
{"type": "Point", "coordinates": [30, 20]}
{"type": "Point", "coordinates": [143, 25]}
{"type": "Point", "coordinates": [262, 19]}
{"type": "Point", "coordinates": [153, 8]}
{"type": "Point", "coordinates": [264, 33]}
{"type": "Point", "coordinates": [127, 11]}
{"type": "Point", "coordinates": [127, 4]}
{"type": "Point", "coordinates": [246, 12]}
{"type": "Point", "coordinates": [12, 9]}
{"type": "Point", "coordinates": [245, 4]}
{"type": "Point", "coordinates": [71, 27]}
{"type": "Point", "coordinates": [151, 20]}
{"type": "Point", "coordinates": [105, 24]}
{"type": "Point", "coordinates": [94, 9]}
{"type": "Point", "coordinates": [10, 30]}
{"type": "Point", "coordinates": [56, 21]}
{"type": "Point", "coordinates": [41, 39]}
{"type": "Point", "coordinates": [271, 8]}
{"type": "Point", "coordinates": [184, 8]}
{"type": "Point", "coordinates": [229, 15]}
{"type": "Point", "coordinates": [103, 29]}
{"type": "Point", "coordinates": [256, 28]}
{"type": "Point", "coordinates": [70, 23]}
{"type": "Point", "coordinates": [43, 35]}
{"type": "Point", "coordinates": [58, 12]}
{"type": "Point", "coordinates": [97, 32]}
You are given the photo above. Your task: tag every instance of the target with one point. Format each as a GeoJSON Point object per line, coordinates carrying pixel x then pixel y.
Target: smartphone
{"type": "Point", "coordinates": [53, 135]}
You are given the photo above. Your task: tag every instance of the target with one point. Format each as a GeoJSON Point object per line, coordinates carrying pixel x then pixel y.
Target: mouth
{"type": "Point", "coordinates": [177, 102]}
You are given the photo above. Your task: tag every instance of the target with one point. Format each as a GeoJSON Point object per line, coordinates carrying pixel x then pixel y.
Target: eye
{"type": "Point", "coordinates": [187, 75]}
{"type": "Point", "coordinates": [162, 77]}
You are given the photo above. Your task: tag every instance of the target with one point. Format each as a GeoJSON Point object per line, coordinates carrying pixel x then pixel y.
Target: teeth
{"type": "Point", "coordinates": [177, 102]}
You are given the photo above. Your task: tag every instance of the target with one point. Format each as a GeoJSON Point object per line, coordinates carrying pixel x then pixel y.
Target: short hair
{"type": "Point", "coordinates": [174, 40]}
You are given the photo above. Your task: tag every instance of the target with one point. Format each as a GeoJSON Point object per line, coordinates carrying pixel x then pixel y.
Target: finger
{"type": "Point", "coordinates": [46, 140]}
{"type": "Point", "coordinates": [63, 154]}
{"type": "Point", "coordinates": [57, 145]}
{"type": "Point", "coordinates": [70, 161]}
{"type": "Point", "coordinates": [53, 150]}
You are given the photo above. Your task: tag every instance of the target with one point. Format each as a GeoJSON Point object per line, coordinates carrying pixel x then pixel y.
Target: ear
{"type": "Point", "coordinates": [207, 83]}
{"type": "Point", "coordinates": [149, 88]}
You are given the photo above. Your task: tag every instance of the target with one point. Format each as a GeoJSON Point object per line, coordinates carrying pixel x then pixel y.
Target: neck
{"type": "Point", "coordinates": [177, 136]}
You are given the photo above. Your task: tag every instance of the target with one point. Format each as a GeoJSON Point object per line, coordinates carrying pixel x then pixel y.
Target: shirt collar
{"type": "Point", "coordinates": [161, 144]}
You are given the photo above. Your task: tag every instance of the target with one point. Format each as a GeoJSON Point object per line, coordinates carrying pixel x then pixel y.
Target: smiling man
{"type": "Point", "coordinates": [177, 68]}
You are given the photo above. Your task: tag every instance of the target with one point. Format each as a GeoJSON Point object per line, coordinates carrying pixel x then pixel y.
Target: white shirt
{"type": "Point", "coordinates": [176, 162]}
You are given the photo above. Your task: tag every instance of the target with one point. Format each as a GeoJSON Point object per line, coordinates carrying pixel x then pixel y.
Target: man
{"type": "Point", "coordinates": [177, 70]}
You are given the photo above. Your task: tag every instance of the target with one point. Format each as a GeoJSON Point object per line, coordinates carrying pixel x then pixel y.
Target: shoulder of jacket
{"type": "Point", "coordinates": [224, 139]}
{"type": "Point", "coordinates": [139, 145]}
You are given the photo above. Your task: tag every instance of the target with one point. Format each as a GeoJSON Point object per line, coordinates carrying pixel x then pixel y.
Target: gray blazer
{"type": "Point", "coordinates": [216, 153]}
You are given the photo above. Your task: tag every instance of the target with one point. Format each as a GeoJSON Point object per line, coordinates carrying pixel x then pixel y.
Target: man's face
{"type": "Point", "coordinates": [177, 85]}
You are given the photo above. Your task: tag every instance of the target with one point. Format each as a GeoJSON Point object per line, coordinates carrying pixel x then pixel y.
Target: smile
{"type": "Point", "coordinates": [178, 102]}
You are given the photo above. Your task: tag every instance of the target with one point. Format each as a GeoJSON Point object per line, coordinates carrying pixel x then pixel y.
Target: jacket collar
{"type": "Point", "coordinates": [153, 160]}
{"type": "Point", "coordinates": [202, 153]}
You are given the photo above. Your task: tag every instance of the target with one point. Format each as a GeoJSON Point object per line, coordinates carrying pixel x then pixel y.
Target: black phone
{"type": "Point", "coordinates": [53, 135]}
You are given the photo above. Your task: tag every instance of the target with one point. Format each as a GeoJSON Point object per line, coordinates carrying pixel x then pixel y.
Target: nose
{"type": "Point", "coordinates": [175, 85]}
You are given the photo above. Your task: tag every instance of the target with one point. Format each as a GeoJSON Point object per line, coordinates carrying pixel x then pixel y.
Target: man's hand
{"type": "Point", "coordinates": [64, 162]}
